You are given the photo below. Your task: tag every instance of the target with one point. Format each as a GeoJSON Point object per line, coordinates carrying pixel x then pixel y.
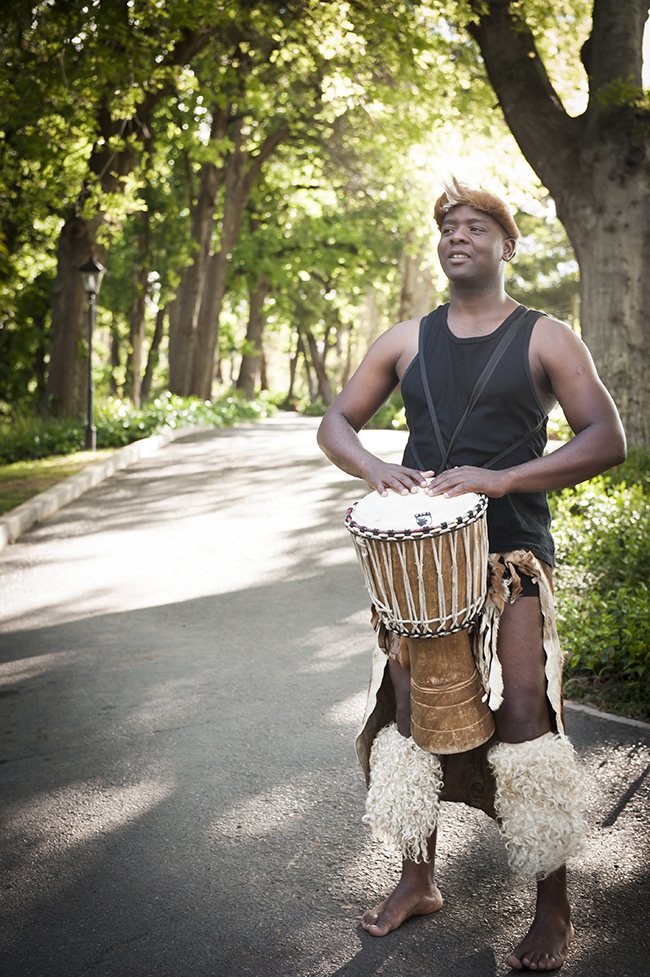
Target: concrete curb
{"type": "Point", "coordinates": [24, 516]}
{"type": "Point", "coordinates": [599, 714]}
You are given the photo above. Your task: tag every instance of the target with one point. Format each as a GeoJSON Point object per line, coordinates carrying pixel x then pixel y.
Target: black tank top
{"type": "Point", "coordinates": [507, 409]}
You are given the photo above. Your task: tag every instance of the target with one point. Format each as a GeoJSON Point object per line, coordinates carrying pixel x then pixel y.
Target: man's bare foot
{"type": "Point", "coordinates": [552, 934]}
{"type": "Point", "coordinates": [401, 904]}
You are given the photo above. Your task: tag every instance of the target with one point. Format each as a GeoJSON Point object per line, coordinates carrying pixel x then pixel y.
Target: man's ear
{"type": "Point", "coordinates": [509, 248]}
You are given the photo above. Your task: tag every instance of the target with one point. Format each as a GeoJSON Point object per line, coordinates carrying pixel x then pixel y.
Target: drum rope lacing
{"type": "Point", "coordinates": [380, 582]}
{"type": "Point", "coordinates": [396, 534]}
{"type": "Point", "coordinates": [380, 575]}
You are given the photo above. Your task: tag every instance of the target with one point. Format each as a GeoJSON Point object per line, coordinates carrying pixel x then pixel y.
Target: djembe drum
{"type": "Point", "coordinates": [424, 560]}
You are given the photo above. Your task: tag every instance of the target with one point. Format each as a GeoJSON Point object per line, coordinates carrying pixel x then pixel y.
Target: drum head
{"type": "Point", "coordinates": [415, 514]}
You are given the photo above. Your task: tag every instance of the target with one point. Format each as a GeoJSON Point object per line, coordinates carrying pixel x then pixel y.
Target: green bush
{"type": "Point", "coordinates": [390, 415]}
{"type": "Point", "coordinates": [557, 427]}
{"type": "Point", "coordinates": [602, 532]}
{"type": "Point", "coordinates": [315, 408]}
{"type": "Point", "coordinates": [118, 423]}
{"type": "Point", "coordinates": [28, 437]}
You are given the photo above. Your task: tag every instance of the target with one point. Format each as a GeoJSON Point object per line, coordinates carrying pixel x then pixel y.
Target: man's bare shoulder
{"type": "Point", "coordinates": [401, 344]}
{"type": "Point", "coordinates": [548, 330]}
{"type": "Point", "coordinates": [552, 338]}
{"type": "Point", "coordinates": [561, 363]}
{"type": "Point", "coordinates": [403, 331]}
{"type": "Point", "coordinates": [398, 342]}
{"type": "Point", "coordinates": [548, 325]}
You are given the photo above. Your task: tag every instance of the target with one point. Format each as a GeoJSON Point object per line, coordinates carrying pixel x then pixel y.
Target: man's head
{"type": "Point", "coordinates": [456, 194]}
{"type": "Point", "coordinates": [478, 236]}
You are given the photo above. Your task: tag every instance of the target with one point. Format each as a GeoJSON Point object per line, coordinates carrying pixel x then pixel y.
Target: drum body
{"type": "Point", "coordinates": [424, 559]}
{"type": "Point", "coordinates": [448, 711]}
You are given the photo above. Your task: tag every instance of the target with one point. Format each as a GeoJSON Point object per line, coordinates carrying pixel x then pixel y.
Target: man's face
{"type": "Point", "coordinates": [473, 246]}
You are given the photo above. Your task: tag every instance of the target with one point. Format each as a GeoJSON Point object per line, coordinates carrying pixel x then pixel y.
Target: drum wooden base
{"type": "Point", "coordinates": [448, 714]}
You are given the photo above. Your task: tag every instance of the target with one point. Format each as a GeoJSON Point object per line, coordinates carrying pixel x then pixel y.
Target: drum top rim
{"type": "Point", "coordinates": [465, 519]}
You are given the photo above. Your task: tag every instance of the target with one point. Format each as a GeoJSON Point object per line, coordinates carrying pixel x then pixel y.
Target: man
{"type": "Point", "coordinates": [498, 451]}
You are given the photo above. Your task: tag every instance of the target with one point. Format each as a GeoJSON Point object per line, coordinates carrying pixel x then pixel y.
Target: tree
{"type": "Point", "coordinates": [82, 83]}
{"type": "Point", "coordinates": [115, 154]}
{"type": "Point", "coordinates": [284, 80]}
{"type": "Point", "coordinates": [252, 355]}
{"type": "Point", "coordinates": [186, 308]}
{"type": "Point", "coordinates": [23, 350]}
{"type": "Point", "coordinates": [596, 165]}
{"type": "Point", "coordinates": [545, 272]}
{"type": "Point", "coordinates": [87, 87]}
{"type": "Point", "coordinates": [148, 127]}
{"type": "Point", "coordinates": [243, 168]}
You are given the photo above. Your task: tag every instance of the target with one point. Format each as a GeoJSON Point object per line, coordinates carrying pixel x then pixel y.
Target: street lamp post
{"type": "Point", "coordinates": [91, 278]}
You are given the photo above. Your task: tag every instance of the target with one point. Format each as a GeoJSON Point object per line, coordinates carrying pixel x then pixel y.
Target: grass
{"type": "Point", "coordinates": [22, 480]}
{"type": "Point", "coordinates": [620, 696]}
{"type": "Point", "coordinates": [37, 453]}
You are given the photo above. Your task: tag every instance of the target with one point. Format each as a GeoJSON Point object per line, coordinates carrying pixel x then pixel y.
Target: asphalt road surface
{"type": "Point", "coordinates": [184, 653]}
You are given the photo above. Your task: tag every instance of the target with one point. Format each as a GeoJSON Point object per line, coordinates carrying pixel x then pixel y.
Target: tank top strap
{"type": "Point", "coordinates": [438, 316]}
{"type": "Point", "coordinates": [506, 337]}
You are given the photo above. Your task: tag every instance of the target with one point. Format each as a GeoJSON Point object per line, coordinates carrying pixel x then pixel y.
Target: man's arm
{"type": "Point", "coordinates": [565, 364]}
{"type": "Point", "coordinates": [359, 400]}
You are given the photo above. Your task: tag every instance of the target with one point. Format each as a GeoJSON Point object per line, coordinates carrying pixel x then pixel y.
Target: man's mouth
{"type": "Point", "coordinates": [458, 254]}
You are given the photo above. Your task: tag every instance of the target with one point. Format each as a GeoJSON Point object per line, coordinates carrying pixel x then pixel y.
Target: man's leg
{"type": "Point", "coordinates": [416, 893]}
{"type": "Point", "coordinates": [523, 717]}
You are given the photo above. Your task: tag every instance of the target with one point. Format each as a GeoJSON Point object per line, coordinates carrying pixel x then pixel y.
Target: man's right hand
{"type": "Point", "coordinates": [382, 476]}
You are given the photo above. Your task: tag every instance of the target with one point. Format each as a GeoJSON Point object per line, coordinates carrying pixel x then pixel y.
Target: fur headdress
{"type": "Point", "coordinates": [456, 194]}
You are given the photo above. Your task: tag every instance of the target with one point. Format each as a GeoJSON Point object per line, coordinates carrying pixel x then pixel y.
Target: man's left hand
{"type": "Point", "coordinates": [456, 481]}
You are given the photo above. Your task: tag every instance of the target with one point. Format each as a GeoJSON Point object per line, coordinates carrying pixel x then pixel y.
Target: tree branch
{"type": "Point", "coordinates": [191, 44]}
{"type": "Point", "coordinates": [615, 49]}
{"type": "Point", "coordinates": [271, 143]}
{"type": "Point", "coordinates": [533, 110]}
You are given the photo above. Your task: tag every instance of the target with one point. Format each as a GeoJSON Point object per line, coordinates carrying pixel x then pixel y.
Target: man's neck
{"type": "Point", "coordinates": [477, 314]}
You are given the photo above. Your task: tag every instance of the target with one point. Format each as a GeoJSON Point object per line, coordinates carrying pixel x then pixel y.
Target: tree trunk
{"type": "Point", "coordinates": [251, 363]}
{"type": "Point", "coordinates": [361, 336]}
{"type": "Point", "coordinates": [293, 366]}
{"type": "Point", "coordinates": [137, 317]}
{"type": "Point", "coordinates": [39, 360]}
{"type": "Point", "coordinates": [209, 314]}
{"type": "Point", "coordinates": [241, 173]}
{"type": "Point", "coordinates": [183, 326]}
{"type": "Point", "coordinates": [115, 357]}
{"type": "Point", "coordinates": [311, 387]}
{"type": "Point", "coordinates": [597, 169]}
{"type": "Point", "coordinates": [67, 383]}
{"type": "Point", "coordinates": [137, 331]}
{"type": "Point", "coordinates": [207, 333]}
{"type": "Point", "coordinates": [418, 291]}
{"type": "Point", "coordinates": [264, 376]}
{"type": "Point", "coordinates": [615, 289]}
{"type": "Point", "coordinates": [325, 392]}
{"type": "Point", "coordinates": [185, 314]}
{"type": "Point", "coordinates": [349, 355]}
{"type": "Point", "coordinates": [154, 355]}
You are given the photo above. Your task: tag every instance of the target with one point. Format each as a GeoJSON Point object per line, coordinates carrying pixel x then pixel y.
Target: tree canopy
{"type": "Point", "coordinates": [257, 170]}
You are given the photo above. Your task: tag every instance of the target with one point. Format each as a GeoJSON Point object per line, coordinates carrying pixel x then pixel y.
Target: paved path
{"type": "Point", "coordinates": [184, 652]}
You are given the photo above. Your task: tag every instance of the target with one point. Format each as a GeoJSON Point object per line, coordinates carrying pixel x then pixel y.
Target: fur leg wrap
{"type": "Point", "coordinates": [404, 795]}
{"type": "Point", "coordinates": [539, 803]}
